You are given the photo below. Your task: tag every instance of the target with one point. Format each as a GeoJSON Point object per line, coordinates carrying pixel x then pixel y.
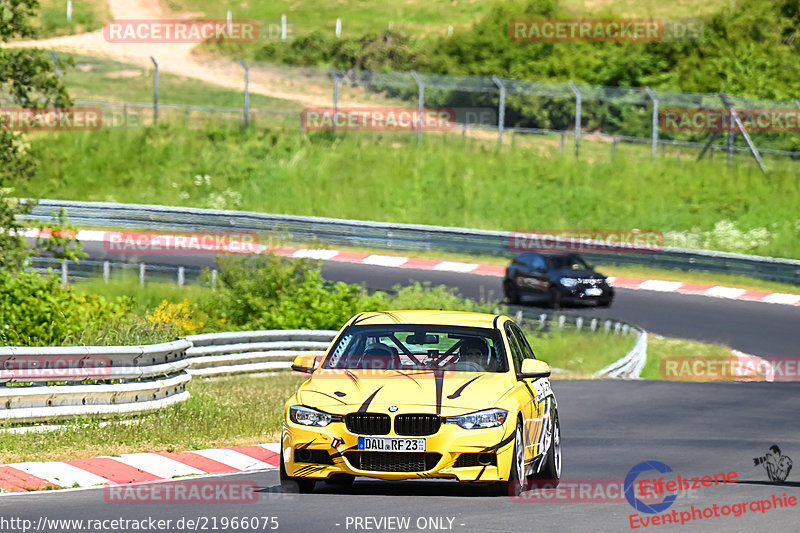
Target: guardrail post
{"type": "Point", "coordinates": [181, 276]}
{"type": "Point", "coordinates": [501, 109]}
{"type": "Point", "coordinates": [335, 76]}
{"type": "Point", "coordinates": [283, 28]}
{"type": "Point", "coordinates": [654, 134]}
{"type": "Point", "coordinates": [155, 91]}
{"type": "Point", "coordinates": [106, 271]}
{"type": "Point", "coordinates": [214, 279]}
{"type": "Point", "coordinates": [578, 99]}
{"type": "Point", "coordinates": [421, 101]}
{"type": "Point", "coordinates": [141, 274]}
{"type": "Point", "coordinates": [246, 92]}
{"type": "Point", "coordinates": [64, 273]}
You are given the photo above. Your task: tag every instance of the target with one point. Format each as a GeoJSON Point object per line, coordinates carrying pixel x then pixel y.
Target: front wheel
{"type": "Point", "coordinates": [516, 476]}
{"type": "Point", "coordinates": [295, 485]}
{"type": "Point", "coordinates": [550, 474]}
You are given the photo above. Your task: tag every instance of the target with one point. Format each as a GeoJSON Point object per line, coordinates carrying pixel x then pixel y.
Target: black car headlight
{"type": "Point", "coordinates": [306, 416]}
{"type": "Point", "coordinates": [489, 418]}
{"type": "Point", "coordinates": [568, 282]}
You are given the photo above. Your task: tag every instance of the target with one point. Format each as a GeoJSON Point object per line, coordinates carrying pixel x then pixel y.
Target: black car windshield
{"type": "Point", "coordinates": [567, 262]}
{"type": "Point", "coordinates": [419, 347]}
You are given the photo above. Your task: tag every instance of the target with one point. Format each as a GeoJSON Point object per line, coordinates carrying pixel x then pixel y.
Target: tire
{"type": "Point", "coordinates": [295, 485]}
{"type": "Point", "coordinates": [550, 475]}
{"type": "Point", "coordinates": [341, 480]}
{"type": "Point", "coordinates": [554, 297]}
{"type": "Point", "coordinates": [516, 476]}
{"type": "Point", "coordinates": [511, 292]}
{"type": "Point", "coordinates": [604, 303]}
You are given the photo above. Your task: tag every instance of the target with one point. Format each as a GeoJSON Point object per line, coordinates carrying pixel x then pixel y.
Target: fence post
{"type": "Point", "coordinates": [421, 99]}
{"type": "Point", "coordinates": [155, 91]}
{"type": "Point", "coordinates": [106, 271]}
{"type": "Point", "coordinates": [246, 92]}
{"type": "Point", "coordinates": [214, 279]}
{"type": "Point", "coordinates": [181, 276]}
{"type": "Point", "coordinates": [338, 27]}
{"type": "Point", "coordinates": [55, 62]}
{"type": "Point", "coordinates": [283, 28]}
{"type": "Point", "coordinates": [335, 76]}
{"type": "Point", "coordinates": [141, 274]}
{"type": "Point", "coordinates": [577, 117]}
{"type": "Point", "coordinates": [229, 21]}
{"type": "Point", "coordinates": [69, 10]}
{"type": "Point", "coordinates": [501, 109]}
{"type": "Point", "coordinates": [738, 122]}
{"type": "Point", "coordinates": [64, 273]}
{"type": "Point", "coordinates": [654, 98]}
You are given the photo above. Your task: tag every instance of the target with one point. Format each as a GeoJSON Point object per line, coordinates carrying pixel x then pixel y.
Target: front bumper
{"type": "Point", "coordinates": [578, 294]}
{"type": "Point", "coordinates": [304, 450]}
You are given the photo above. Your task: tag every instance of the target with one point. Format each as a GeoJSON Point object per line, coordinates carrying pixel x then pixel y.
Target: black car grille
{"type": "Point", "coordinates": [368, 423]}
{"type": "Point", "coordinates": [392, 461]}
{"type": "Point", "coordinates": [417, 425]}
{"type": "Point", "coordinates": [474, 459]}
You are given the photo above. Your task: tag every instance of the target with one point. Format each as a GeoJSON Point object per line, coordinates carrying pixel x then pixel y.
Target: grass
{"type": "Point", "coordinates": [580, 354]}
{"type": "Point", "coordinates": [417, 17]}
{"type": "Point", "coordinates": [660, 347]}
{"type": "Point", "coordinates": [87, 15]}
{"type": "Point", "coordinates": [389, 177]}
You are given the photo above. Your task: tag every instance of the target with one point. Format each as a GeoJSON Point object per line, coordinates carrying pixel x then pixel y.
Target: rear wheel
{"type": "Point", "coordinates": [554, 297]}
{"type": "Point", "coordinates": [550, 475]}
{"type": "Point", "coordinates": [511, 292]}
{"type": "Point", "coordinates": [295, 484]}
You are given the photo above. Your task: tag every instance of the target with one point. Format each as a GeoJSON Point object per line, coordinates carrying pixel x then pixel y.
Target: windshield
{"type": "Point", "coordinates": [567, 262]}
{"type": "Point", "coordinates": [419, 347]}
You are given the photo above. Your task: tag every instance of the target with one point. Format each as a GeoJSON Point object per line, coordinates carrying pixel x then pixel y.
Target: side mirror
{"type": "Point", "coordinates": [535, 369]}
{"type": "Point", "coordinates": [305, 363]}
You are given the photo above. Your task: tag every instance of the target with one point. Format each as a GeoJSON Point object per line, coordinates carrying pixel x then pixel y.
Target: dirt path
{"type": "Point", "coordinates": [180, 58]}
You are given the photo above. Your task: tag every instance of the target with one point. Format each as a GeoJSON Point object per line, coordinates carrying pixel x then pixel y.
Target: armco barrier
{"type": "Point", "coordinates": [136, 379]}
{"type": "Point", "coordinates": [331, 231]}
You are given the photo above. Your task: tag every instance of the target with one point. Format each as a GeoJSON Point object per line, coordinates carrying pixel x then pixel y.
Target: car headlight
{"type": "Point", "coordinates": [305, 416]}
{"type": "Point", "coordinates": [569, 282]}
{"type": "Point", "coordinates": [482, 419]}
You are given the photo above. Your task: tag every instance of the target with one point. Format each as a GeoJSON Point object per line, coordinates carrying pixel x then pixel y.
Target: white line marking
{"type": "Point", "coordinates": [660, 285]}
{"type": "Point", "coordinates": [61, 474]}
{"type": "Point", "coordinates": [234, 459]}
{"type": "Point", "coordinates": [155, 464]}
{"type": "Point", "coordinates": [316, 254]}
{"type": "Point", "coordinates": [724, 292]}
{"type": "Point", "coordinates": [385, 260]}
{"type": "Point", "coordinates": [453, 266]}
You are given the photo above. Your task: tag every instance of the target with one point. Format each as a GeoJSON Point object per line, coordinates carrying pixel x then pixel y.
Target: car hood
{"type": "Point", "coordinates": [443, 392]}
{"type": "Point", "coordinates": [580, 273]}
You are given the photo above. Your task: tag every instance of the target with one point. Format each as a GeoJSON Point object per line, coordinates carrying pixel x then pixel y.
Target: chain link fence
{"type": "Point", "coordinates": [512, 111]}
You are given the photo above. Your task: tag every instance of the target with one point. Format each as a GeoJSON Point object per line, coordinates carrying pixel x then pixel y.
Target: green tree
{"type": "Point", "coordinates": [27, 79]}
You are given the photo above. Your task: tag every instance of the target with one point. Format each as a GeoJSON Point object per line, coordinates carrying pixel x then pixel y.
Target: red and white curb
{"type": "Point", "coordinates": [123, 243]}
{"type": "Point", "coordinates": [136, 468]}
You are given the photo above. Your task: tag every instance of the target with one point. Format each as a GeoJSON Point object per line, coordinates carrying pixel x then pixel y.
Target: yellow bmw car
{"type": "Point", "coordinates": [423, 394]}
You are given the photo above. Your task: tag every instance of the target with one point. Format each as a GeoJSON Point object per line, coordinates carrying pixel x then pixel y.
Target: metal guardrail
{"type": "Point", "coordinates": [137, 379]}
{"type": "Point", "coordinates": [331, 231]}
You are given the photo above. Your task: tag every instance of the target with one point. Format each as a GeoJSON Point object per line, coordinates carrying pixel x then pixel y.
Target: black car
{"type": "Point", "coordinates": [557, 279]}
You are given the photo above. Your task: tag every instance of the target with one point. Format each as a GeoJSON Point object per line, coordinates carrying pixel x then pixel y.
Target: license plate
{"type": "Point", "coordinates": [376, 444]}
{"type": "Point", "coordinates": [593, 292]}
